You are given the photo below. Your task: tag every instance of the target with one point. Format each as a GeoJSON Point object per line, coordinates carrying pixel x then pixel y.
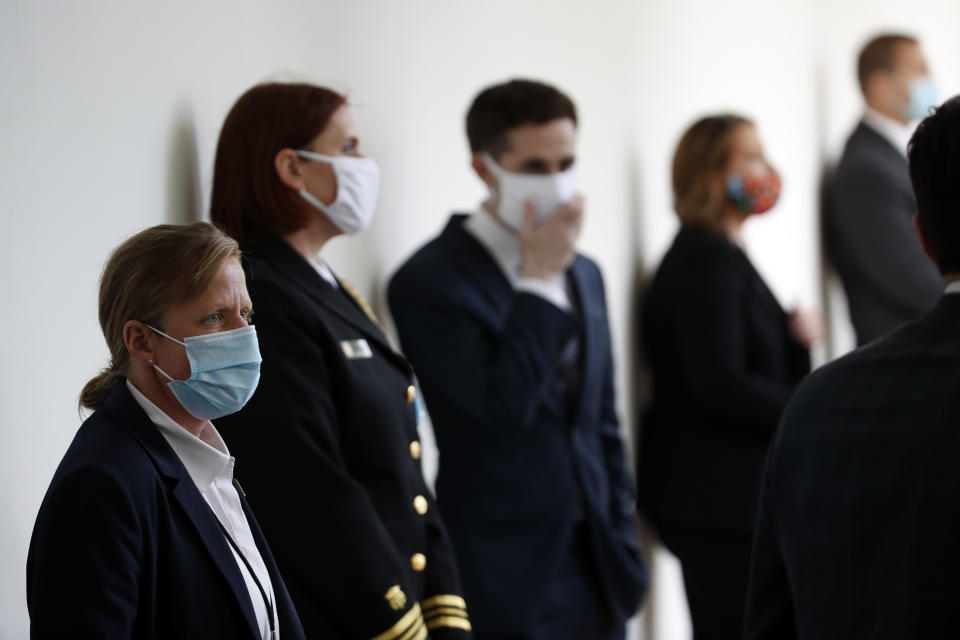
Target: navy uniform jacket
{"type": "Point", "coordinates": [724, 366]}
{"type": "Point", "coordinates": [126, 547]}
{"type": "Point", "coordinates": [518, 468]}
{"type": "Point", "coordinates": [328, 453]}
{"type": "Point", "coordinates": [869, 236]}
{"type": "Point", "coordinates": [859, 526]}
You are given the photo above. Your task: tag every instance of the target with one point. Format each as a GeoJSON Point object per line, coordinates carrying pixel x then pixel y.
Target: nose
{"type": "Point", "coordinates": [237, 320]}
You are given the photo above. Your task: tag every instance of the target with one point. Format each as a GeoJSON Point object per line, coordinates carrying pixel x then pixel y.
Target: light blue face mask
{"type": "Point", "coordinates": [924, 97]}
{"type": "Point", "coordinates": [224, 372]}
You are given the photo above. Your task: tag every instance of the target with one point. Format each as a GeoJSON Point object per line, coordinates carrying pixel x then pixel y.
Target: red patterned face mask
{"type": "Point", "coordinates": [753, 194]}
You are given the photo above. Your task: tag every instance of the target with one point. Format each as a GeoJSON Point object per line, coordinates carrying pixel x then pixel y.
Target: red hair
{"type": "Point", "coordinates": [249, 200]}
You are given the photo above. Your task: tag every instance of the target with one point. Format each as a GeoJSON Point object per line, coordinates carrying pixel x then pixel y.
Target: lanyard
{"type": "Point", "coordinates": [266, 601]}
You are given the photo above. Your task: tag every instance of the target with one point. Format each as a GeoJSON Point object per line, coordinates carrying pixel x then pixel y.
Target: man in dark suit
{"type": "Point", "coordinates": [858, 526]}
{"type": "Point", "coordinates": [507, 330]}
{"type": "Point", "coordinates": [869, 204]}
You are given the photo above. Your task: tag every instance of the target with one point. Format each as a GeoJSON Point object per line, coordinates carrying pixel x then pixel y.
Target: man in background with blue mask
{"type": "Point", "coordinates": [506, 326]}
{"type": "Point", "coordinates": [869, 204]}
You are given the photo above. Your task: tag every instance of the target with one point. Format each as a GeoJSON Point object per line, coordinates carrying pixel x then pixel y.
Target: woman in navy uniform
{"type": "Point", "coordinates": [329, 441]}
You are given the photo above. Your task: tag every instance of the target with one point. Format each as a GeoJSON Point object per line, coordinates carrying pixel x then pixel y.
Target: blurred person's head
{"type": "Point", "coordinates": [184, 280]}
{"type": "Point", "coordinates": [522, 136]}
{"type": "Point", "coordinates": [289, 159]}
{"type": "Point", "coordinates": [934, 154]}
{"type": "Point", "coordinates": [895, 79]}
{"type": "Point", "coordinates": [721, 175]}
{"type": "Point", "coordinates": [174, 311]}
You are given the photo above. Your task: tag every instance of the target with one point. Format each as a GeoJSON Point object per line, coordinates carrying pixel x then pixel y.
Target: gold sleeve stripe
{"type": "Point", "coordinates": [449, 621]}
{"type": "Point", "coordinates": [444, 601]}
{"type": "Point", "coordinates": [445, 611]}
{"type": "Point", "coordinates": [407, 628]}
{"type": "Point", "coordinates": [416, 632]}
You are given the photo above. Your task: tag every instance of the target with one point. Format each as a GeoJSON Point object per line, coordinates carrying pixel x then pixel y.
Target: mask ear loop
{"type": "Point", "coordinates": [169, 337]}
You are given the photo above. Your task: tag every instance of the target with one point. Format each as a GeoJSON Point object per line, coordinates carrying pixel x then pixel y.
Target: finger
{"type": "Point", "coordinates": [529, 217]}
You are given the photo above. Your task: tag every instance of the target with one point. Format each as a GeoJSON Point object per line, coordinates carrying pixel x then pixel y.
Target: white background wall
{"type": "Point", "coordinates": [110, 110]}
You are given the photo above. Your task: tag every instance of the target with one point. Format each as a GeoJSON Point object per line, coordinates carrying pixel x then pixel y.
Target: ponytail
{"type": "Point", "coordinates": [97, 390]}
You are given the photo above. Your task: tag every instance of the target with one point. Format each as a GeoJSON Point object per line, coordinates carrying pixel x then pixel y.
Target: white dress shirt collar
{"type": "Point", "coordinates": [502, 245]}
{"type": "Point", "coordinates": [321, 267]}
{"type": "Point", "coordinates": [496, 239]}
{"type": "Point", "coordinates": [953, 287]}
{"type": "Point", "coordinates": [894, 131]}
{"type": "Point", "coordinates": [203, 461]}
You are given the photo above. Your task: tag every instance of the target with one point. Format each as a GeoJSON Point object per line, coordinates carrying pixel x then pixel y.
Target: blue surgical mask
{"type": "Point", "coordinates": [924, 97]}
{"type": "Point", "coordinates": [224, 372]}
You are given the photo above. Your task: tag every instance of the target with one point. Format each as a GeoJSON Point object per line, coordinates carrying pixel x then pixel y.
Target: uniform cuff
{"type": "Point", "coordinates": [410, 626]}
{"type": "Point", "coordinates": [446, 611]}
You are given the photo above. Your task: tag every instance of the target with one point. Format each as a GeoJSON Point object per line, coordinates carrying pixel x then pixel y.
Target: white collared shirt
{"type": "Point", "coordinates": [896, 133]}
{"type": "Point", "coordinates": [321, 267]}
{"type": "Point", "coordinates": [210, 466]}
{"type": "Point", "coordinates": [953, 287]}
{"type": "Point", "coordinates": [502, 245]}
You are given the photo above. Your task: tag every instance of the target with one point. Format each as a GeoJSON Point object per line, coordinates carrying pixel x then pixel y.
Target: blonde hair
{"type": "Point", "coordinates": [703, 151]}
{"type": "Point", "coordinates": [156, 269]}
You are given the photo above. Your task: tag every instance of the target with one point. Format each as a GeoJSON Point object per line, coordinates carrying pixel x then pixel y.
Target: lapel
{"type": "Point", "coordinates": [768, 301]}
{"type": "Point", "coordinates": [305, 279]}
{"type": "Point", "coordinates": [134, 421]}
{"type": "Point", "coordinates": [477, 265]}
{"type": "Point", "coordinates": [592, 325]}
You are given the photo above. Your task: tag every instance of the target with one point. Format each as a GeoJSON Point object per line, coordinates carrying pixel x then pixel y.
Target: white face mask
{"type": "Point", "coordinates": [547, 192]}
{"type": "Point", "coordinates": [358, 184]}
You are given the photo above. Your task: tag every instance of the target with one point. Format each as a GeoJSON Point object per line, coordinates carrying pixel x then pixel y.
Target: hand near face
{"type": "Point", "coordinates": [548, 247]}
{"type": "Point", "coordinates": [806, 326]}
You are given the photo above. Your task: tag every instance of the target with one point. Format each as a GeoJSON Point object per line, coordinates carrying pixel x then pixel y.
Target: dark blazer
{"type": "Point", "coordinates": [328, 453]}
{"type": "Point", "coordinates": [518, 464]}
{"type": "Point", "coordinates": [126, 547]}
{"type": "Point", "coordinates": [869, 237]}
{"type": "Point", "coordinates": [724, 365]}
{"type": "Point", "coordinates": [858, 527]}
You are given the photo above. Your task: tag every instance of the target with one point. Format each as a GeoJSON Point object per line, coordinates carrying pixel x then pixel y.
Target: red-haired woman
{"type": "Point", "coordinates": [337, 484]}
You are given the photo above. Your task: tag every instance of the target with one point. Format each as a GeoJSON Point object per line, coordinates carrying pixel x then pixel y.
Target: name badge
{"type": "Point", "coordinates": [356, 349]}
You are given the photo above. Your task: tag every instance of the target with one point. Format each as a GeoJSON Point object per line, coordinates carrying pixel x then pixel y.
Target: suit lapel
{"type": "Point", "coordinates": [337, 301]}
{"type": "Point", "coordinates": [477, 265]}
{"type": "Point", "coordinates": [591, 318]}
{"type": "Point", "coordinates": [131, 418]}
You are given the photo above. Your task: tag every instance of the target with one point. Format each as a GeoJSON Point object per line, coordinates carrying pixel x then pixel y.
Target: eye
{"type": "Point", "coordinates": [350, 149]}
{"type": "Point", "coordinates": [247, 315]}
{"type": "Point", "coordinates": [214, 317]}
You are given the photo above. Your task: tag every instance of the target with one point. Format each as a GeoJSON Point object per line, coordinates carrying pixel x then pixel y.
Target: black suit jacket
{"type": "Point", "coordinates": [858, 527]}
{"type": "Point", "coordinates": [869, 237]}
{"type": "Point", "coordinates": [126, 547]}
{"type": "Point", "coordinates": [724, 366]}
{"type": "Point", "coordinates": [518, 465]}
{"type": "Point", "coordinates": [324, 453]}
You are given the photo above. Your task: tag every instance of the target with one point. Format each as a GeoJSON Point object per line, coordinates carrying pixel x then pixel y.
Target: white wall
{"type": "Point", "coordinates": [110, 112]}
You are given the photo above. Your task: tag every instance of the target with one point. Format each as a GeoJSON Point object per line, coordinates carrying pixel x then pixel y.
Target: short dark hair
{"type": "Point", "coordinates": [502, 107]}
{"type": "Point", "coordinates": [248, 199]}
{"type": "Point", "coordinates": [880, 54]}
{"type": "Point", "coordinates": [934, 154]}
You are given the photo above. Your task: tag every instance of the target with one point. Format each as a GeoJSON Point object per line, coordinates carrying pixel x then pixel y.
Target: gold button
{"type": "Point", "coordinates": [411, 394]}
{"type": "Point", "coordinates": [415, 450]}
{"type": "Point", "coordinates": [420, 505]}
{"type": "Point", "coordinates": [418, 561]}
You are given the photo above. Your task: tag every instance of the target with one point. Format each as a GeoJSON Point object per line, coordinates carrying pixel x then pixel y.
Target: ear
{"type": "Point", "coordinates": [925, 241]}
{"type": "Point", "coordinates": [137, 338]}
{"type": "Point", "coordinates": [480, 168]}
{"type": "Point", "coordinates": [287, 165]}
